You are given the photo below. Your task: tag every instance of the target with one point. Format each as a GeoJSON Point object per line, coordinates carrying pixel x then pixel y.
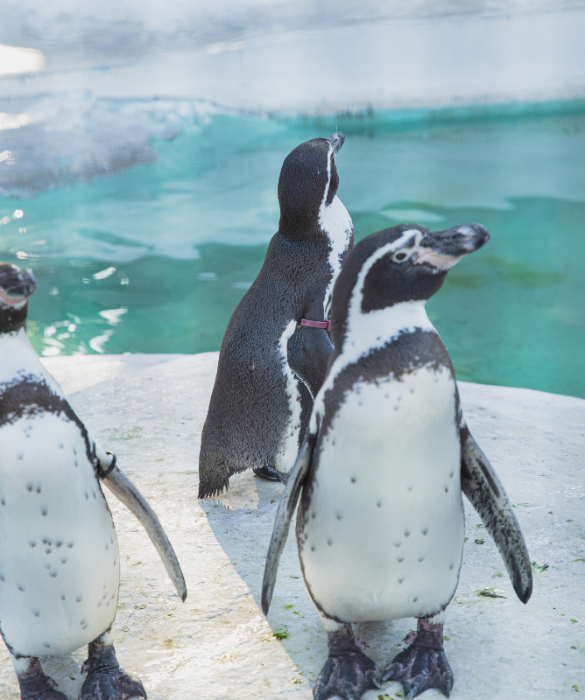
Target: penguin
{"type": "Point", "coordinates": [59, 561]}
{"type": "Point", "coordinates": [276, 346]}
{"type": "Point", "coordinates": [380, 524]}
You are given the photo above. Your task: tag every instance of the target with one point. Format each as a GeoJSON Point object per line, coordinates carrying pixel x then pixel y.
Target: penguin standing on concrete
{"type": "Point", "coordinates": [380, 523]}
{"type": "Point", "coordinates": [59, 562]}
{"type": "Point", "coordinates": [274, 354]}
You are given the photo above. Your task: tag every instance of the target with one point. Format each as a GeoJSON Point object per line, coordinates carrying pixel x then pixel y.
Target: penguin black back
{"type": "Point", "coordinates": [270, 366]}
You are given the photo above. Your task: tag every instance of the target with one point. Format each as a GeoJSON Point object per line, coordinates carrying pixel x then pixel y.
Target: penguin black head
{"type": "Point", "coordinates": [16, 286]}
{"type": "Point", "coordinates": [399, 264]}
{"type": "Point", "coordinates": [308, 180]}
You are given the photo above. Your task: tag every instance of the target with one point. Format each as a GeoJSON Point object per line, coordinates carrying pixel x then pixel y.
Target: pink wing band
{"type": "Point", "coordinates": [316, 324]}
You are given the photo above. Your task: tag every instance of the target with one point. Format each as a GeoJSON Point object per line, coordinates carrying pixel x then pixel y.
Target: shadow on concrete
{"type": "Point", "coordinates": [242, 520]}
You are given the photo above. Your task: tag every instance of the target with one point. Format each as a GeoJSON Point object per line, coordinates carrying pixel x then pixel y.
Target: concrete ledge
{"type": "Point", "coordinates": [150, 411]}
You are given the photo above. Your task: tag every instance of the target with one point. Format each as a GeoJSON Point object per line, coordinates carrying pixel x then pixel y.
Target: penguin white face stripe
{"type": "Point", "coordinates": [328, 185]}
{"type": "Point", "coordinates": [368, 331]}
{"type": "Point", "coordinates": [355, 304]}
{"type": "Point", "coordinates": [335, 221]}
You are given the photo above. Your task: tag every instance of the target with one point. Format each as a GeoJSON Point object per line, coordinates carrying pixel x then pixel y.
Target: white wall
{"type": "Point", "coordinates": [283, 56]}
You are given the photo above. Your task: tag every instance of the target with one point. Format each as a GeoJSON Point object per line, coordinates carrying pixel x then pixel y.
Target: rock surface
{"type": "Point", "coordinates": [150, 409]}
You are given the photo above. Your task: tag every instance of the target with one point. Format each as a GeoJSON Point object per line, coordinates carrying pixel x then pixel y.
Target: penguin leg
{"type": "Point", "coordinates": [348, 673]}
{"type": "Point", "coordinates": [267, 472]}
{"type": "Point", "coordinates": [105, 679]}
{"type": "Point", "coordinates": [424, 664]}
{"type": "Point", "coordinates": [33, 682]}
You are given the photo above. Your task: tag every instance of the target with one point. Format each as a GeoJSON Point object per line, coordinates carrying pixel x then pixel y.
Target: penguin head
{"type": "Point", "coordinates": [16, 286]}
{"type": "Point", "coordinates": [399, 264]}
{"type": "Point", "coordinates": [308, 180]}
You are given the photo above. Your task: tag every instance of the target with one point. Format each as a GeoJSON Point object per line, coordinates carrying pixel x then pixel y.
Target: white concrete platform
{"type": "Point", "coordinates": [150, 410]}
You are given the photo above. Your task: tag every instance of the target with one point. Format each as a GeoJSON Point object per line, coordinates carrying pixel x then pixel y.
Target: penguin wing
{"type": "Point", "coordinates": [308, 352]}
{"type": "Point", "coordinates": [126, 492]}
{"type": "Point", "coordinates": [284, 515]}
{"type": "Point", "coordinates": [481, 485]}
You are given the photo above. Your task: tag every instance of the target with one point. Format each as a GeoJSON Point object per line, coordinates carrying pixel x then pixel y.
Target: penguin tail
{"type": "Point", "coordinates": [209, 488]}
{"type": "Point", "coordinates": [214, 474]}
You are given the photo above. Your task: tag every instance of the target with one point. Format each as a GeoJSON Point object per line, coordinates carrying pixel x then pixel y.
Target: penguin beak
{"type": "Point", "coordinates": [15, 284]}
{"type": "Point", "coordinates": [336, 140]}
{"type": "Point", "coordinates": [442, 249]}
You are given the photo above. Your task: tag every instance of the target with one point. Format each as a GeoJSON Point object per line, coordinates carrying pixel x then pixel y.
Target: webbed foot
{"type": "Point", "coordinates": [423, 665]}
{"type": "Point", "coordinates": [105, 679]}
{"type": "Point", "coordinates": [34, 685]}
{"type": "Point", "coordinates": [267, 472]}
{"type": "Point", "coordinates": [348, 672]}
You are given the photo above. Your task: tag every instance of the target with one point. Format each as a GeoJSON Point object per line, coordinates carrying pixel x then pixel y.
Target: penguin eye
{"type": "Point", "coordinates": [399, 257]}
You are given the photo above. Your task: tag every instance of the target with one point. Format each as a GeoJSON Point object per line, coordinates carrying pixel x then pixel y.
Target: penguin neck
{"type": "Point", "coordinates": [17, 356]}
{"type": "Point", "coordinates": [13, 318]}
{"type": "Point", "coordinates": [366, 332]}
{"type": "Point", "coordinates": [298, 227]}
{"type": "Point", "coordinates": [375, 329]}
{"type": "Point", "coordinates": [331, 223]}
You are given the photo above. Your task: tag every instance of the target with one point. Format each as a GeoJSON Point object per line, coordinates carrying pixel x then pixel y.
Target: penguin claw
{"type": "Point", "coordinates": [389, 674]}
{"type": "Point", "coordinates": [48, 694]}
{"type": "Point", "coordinates": [348, 677]}
{"type": "Point", "coordinates": [35, 685]}
{"type": "Point", "coordinates": [45, 694]}
{"type": "Point", "coordinates": [267, 472]}
{"type": "Point", "coordinates": [105, 679]}
{"type": "Point", "coordinates": [446, 689]}
{"type": "Point", "coordinates": [415, 690]}
{"type": "Point", "coordinates": [423, 665]}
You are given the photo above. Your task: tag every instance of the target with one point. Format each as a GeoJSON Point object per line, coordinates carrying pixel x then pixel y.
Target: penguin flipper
{"type": "Point", "coordinates": [481, 485]}
{"type": "Point", "coordinates": [284, 515]}
{"type": "Point", "coordinates": [125, 491]}
{"type": "Point", "coordinates": [308, 352]}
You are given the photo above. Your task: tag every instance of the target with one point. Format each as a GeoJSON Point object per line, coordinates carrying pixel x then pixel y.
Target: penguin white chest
{"type": "Point", "coordinates": [59, 564]}
{"type": "Point", "coordinates": [383, 532]}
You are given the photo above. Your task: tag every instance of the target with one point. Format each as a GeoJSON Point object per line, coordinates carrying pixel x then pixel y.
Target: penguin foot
{"type": "Point", "coordinates": [105, 679]}
{"type": "Point", "coordinates": [34, 685]}
{"type": "Point", "coordinates": [423, 665]}
{"type": "Point", "coordinates": [348, 673]}
{"type": "Point", "coordinates": [267, 472]}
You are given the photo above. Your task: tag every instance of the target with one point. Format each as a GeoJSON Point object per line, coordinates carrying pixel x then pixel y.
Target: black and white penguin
{"type": "Point", "coordinates": [380, 524]}
{"type": "Point", "coordinates": [275, 350]}
{"type": "Point", "coordinates": [59, 563]}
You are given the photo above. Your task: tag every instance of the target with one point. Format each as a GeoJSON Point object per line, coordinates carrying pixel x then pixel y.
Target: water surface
{"type": "Point", "coordinates": [145, 222]}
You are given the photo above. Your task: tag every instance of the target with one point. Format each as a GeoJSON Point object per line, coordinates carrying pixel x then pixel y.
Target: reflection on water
{"type": "Point", "coordinates": [15, 60]}
{"type": "Point", "coordinates": [154, 257]}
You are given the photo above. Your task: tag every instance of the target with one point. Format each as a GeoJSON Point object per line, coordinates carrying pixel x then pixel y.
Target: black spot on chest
{"type": "Point", "coordinates": [399, 356]}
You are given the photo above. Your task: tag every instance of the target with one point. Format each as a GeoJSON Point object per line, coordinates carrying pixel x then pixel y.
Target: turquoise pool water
{"type": "Point", "coordinates": [150, 248]}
